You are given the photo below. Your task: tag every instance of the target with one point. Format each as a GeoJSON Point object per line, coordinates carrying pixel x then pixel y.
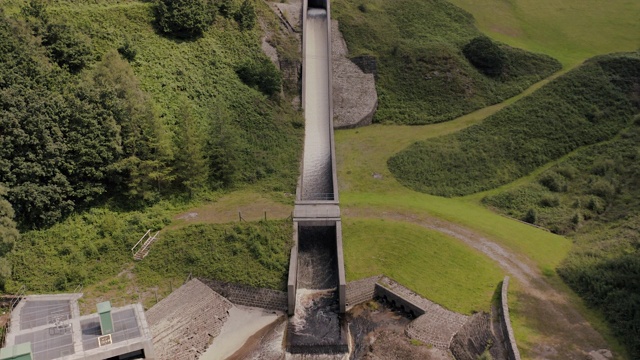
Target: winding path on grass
{"type": "Point", "coordinates": [564, 324]}
{"type": "Point", "coordinates": [540, 304]}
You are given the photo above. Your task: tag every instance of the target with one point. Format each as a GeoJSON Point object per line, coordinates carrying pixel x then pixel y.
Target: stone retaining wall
{"type": "Point", "coordinates": [505, 323]}
{"type": "Point", "coordinates": [249, 296]}
{"type": "Point", "coordinates": [361, 291]}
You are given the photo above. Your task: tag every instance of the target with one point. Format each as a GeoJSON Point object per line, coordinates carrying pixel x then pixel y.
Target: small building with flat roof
{"type": "Point", "coordinates": [55, 330]}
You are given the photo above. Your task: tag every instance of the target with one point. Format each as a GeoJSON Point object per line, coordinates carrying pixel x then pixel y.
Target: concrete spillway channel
{"type": "Point", "coordinates": [316, 287]}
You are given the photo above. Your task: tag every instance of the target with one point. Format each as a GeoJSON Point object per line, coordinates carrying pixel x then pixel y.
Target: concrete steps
{"type": "Point", "coordinates": [184, 322]}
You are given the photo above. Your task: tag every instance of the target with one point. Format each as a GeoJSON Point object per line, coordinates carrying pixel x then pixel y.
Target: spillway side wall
{"type": "Point", "coordinates": [342, 282]}
{"type": "Point", "coordinates": [292, 283]}
{"type": "Point", "coordinates": [334, 172]}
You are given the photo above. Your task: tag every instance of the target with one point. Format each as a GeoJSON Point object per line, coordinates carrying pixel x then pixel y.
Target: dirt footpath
{"type": "Point", "coordinates": [565, 333]}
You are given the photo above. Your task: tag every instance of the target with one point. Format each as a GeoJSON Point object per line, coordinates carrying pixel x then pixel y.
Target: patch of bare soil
{"type": "Point", "coordinates": [565, 333]}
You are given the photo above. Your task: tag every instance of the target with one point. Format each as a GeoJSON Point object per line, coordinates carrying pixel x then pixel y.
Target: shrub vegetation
{"type": "Point", "coordinates": [173, 119]}
{"type": "Point", "coordinates": [588, 105]}
{"type": "Point", "coordinates": [255, 254]}
{"type": "Point", "coordinates": [599, 206]}
{"type": "Point", "coordinates": [185, 18]}
{"type": "Point", "coordinates": [423, 75]}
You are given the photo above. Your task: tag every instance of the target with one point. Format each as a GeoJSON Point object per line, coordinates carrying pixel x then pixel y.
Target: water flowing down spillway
{"type": "Point", "coordinates": [316, 297]}
{"type": "Point", "coordinates": [316, 326]}
{"type": "Point", "coordinates": [317, 183]}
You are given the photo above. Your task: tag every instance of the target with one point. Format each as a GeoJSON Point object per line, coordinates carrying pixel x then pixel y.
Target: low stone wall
{"type": "Point", "coordinates": [249, 296]}
{"type": "Point", "coordinates": [361, 291]}
{"type": "Point", "coordinates": [505, 323]}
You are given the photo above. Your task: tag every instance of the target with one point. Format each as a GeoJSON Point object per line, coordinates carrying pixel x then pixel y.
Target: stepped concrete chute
{"type": "Point", "coordinates": [317, 286]}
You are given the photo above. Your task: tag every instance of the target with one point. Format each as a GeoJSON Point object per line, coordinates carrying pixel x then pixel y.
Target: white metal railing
{"type": "Point", "coordinates": [139, 241]}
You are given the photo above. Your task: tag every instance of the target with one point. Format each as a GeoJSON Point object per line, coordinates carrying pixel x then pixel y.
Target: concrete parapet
{"type": "Point", "coordinates": [398, 301]}
{"type": "Point", "coordinates": [505, 322]}
{"type": "Point", "coordinates": [342, 282]}
{"type": "Point", "coordinates": [434, 324]}
{"type": "Point", "coordinates": [292, 283]}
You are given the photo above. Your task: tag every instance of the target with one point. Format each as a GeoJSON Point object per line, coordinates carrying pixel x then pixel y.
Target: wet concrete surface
{"type": "Point", "coordinates": [317, 262]}
{"type": "Point", "coordinates": [376, 332]}
{"type": "Point", "coordinates": [317, 175]}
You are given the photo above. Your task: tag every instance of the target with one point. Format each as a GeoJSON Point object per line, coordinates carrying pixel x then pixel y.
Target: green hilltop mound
{"type": "Point", "coordinates": [433, 63]}
{"type": "Point", "coordinates": [588, 105]}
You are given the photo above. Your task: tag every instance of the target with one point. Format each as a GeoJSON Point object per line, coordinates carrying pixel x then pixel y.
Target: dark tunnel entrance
{"type": "Point", "coordinates": [321, 4]}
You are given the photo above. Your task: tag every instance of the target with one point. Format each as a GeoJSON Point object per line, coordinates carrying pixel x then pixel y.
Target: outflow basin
{"type": "Point", "coordinates": [317, 172]}
{"type": "Point", "coordinates": [316, 326]}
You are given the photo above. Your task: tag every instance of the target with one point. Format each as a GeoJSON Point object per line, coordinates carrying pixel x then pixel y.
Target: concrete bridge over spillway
{"type": "Point", "coordinates": [316, 286]}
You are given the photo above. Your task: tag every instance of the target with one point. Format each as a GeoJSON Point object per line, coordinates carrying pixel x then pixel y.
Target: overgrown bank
{"type": "Point", "coordinates": [593, 196]}
{"type": "Point", "coordinates": [589, 104]}
{"type": "Point", "coordinates": [433, 64]}
{"type": "Point", "coordinates": [106, 119]}
{"type": "Point", "coordinates": [105, 115]}
{"type": "Point", "coordinates": [96, 246]}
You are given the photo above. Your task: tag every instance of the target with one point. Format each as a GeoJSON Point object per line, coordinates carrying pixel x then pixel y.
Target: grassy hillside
{"type": "Point", "coordinates": [592, 195]}
{"type": "Point", "coordinates": [201, 72]}
{"type": "Point", "coordinates": [189, 88]}
{"type": "Point", "coordinates": [95, 246]}
{"type": "Point", "coordinates": [167, 115]}
{"type": "Point", "coordinates": [570, 31]}
{"type": "Point", "coordinates": [588, 105]}
{"type": "Point", "coordinates": [255, 254]}
{"type": "Point", "coordinates": [423, 76]}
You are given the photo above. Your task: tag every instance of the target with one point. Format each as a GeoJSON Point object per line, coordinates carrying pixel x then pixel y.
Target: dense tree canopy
{"type": "Point", "coordinates": [67, 140]}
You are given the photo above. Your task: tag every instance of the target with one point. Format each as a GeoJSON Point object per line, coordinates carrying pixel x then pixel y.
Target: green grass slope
{"type": "Point", "coordinates": [588, 105]}
{"type": "Point", "coordinates": [593, 196]}
{"type": "Point", "coordinates": [203, 73]}
{"type": "Point", "coordinates": [425, 261]}
{"type": "Point", "coordinates": [423, 77]}
{"type": "Point", "coordinates": [264, 136]}
{"type": "Point", "coordinates": [255, 254]}
{"type": "Point", "coordinates": [570, 31]}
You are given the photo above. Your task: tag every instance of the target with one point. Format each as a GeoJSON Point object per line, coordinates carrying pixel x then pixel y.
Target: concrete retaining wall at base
{"type": "Point", "coordinates": [398, 301]}
{"type": "Point", "coordinates": [292, 283]}
{"type": "Point", "coordinates": [505, 323]}
{"type": "Point", "coordinates": [249, 296]}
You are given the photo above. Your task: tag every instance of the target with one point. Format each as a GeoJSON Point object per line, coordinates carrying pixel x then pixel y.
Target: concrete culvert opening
{"type": "Point", "coordinates": [322, 4]}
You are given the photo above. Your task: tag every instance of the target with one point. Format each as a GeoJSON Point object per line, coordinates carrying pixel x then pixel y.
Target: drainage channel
{"type": "Point", "coordinates": [316, 287]}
